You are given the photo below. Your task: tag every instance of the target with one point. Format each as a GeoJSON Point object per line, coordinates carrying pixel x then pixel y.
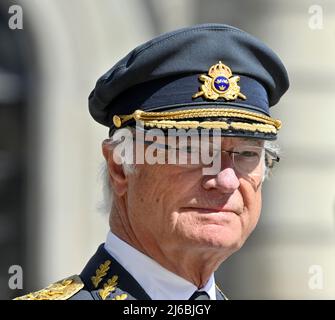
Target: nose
{"type": "Point", "coordinates": [225, 181]}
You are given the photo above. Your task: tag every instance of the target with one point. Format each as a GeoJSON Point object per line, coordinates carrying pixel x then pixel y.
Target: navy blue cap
{"type": "Point", "coordinates": [201, 74]}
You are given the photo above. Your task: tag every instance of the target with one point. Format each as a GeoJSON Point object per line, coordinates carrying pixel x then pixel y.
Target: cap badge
{"type": "Point", "coordinates": [219, 83]}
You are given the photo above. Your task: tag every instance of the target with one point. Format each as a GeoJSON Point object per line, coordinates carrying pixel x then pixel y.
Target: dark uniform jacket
{"type": "Point", "coordinates": [103, 278]}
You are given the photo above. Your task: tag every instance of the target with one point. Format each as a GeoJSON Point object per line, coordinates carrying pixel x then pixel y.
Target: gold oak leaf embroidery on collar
{"type": "Point", "coordinates": [100, 273]}
{"type": "Point", "coordinates": [108, 287]}
{"type": "Point", "coordinates": [122, 296]}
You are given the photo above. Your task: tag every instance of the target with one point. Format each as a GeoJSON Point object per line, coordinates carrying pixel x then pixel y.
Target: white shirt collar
{"type": "Point", "coordinates": [158, 282]}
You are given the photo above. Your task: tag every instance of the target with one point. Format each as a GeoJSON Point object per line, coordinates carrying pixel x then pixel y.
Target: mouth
{"type": "Point", "coordinates": [211, 210]}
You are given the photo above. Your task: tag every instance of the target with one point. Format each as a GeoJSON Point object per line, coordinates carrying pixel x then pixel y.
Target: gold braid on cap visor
{"type": "Point", "coordinates": [167, 120]}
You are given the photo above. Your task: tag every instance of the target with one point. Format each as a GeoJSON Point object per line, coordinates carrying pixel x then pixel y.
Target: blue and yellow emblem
{"type": "Point", "coordinates": [220, 83]}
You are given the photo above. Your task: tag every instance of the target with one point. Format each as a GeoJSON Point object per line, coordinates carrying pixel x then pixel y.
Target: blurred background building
{"type": "Point", "coordinates": [50, 148]}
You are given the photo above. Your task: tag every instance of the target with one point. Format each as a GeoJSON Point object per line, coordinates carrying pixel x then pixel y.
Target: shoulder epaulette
{"type": "Point", "coordinates": [60, 290]}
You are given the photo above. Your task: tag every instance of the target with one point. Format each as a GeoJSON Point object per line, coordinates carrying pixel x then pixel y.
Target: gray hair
{"type": "Point", "coordinates": [106, 202]}
{"type": "Point", "coordinates": [105, 205]}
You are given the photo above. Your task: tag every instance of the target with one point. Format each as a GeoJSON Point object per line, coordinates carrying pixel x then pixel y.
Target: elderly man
{"type": "Point", "coordinates": [188, 150]}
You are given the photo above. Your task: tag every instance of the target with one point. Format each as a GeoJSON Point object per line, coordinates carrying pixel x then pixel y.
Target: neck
{"type": "Point", "coordinates": [193, 265]}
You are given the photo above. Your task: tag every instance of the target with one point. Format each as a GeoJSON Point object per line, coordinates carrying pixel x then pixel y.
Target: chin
{"type": "Point", "coordinates": [219, 237]}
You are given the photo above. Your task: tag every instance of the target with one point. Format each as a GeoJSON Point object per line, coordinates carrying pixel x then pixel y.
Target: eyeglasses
{"type": "Point", "coordinates": [247, 160]}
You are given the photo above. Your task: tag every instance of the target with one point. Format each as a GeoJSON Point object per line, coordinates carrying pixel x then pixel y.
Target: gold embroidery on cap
{"type": "Point", "coordinates": [152, 119]}
{"type": "Point", "coordinates": [220, 83]}
{"type": "Point", "coordinates": [169, 124]}
{"type": "Point", "coordinates": [117, 121]}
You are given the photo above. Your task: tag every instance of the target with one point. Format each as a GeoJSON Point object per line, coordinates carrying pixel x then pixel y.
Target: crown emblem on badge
{"type": "Point", "coordinates": [220, 83]}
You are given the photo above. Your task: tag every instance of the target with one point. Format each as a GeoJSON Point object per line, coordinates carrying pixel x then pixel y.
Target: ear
{"type": "Point", "coordinates": [117, 177]}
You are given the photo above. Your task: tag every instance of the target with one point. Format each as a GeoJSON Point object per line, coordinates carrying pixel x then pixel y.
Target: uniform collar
{"type": "Point", "coordinates": [158, 282]}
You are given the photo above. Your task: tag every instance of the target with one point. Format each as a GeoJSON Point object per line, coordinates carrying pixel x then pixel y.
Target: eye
{"type": "Point", "coordinates": [249, 154]}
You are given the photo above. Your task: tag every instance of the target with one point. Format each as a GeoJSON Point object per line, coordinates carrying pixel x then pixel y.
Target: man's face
{"type": "Point", "coordinates": [178, 208]}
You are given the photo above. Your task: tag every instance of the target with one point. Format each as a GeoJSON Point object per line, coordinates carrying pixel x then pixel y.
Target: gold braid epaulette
{"type": "Point", "coordinates": [61, 290]}
{"type": "Point", "coordinates": [168, 119]}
